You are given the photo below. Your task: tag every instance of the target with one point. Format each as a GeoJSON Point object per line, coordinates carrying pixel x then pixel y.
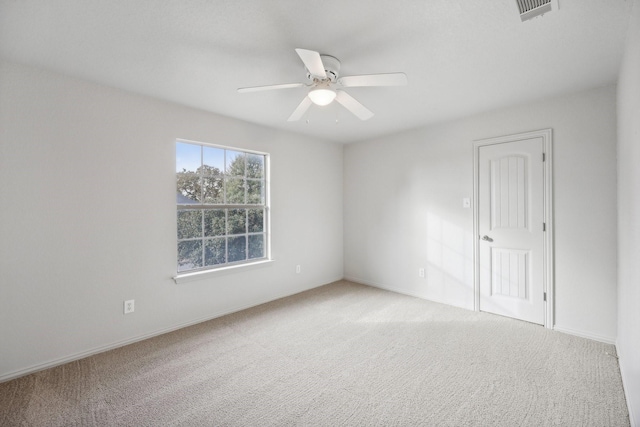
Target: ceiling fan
{"type": "Point", "coordinates": [325, 85]}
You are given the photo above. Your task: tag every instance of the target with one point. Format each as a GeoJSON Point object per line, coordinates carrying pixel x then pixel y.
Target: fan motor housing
{"type": "Point", "coordinates": [331, 67]}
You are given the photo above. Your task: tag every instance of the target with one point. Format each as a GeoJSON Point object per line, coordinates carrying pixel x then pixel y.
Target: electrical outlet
{"type": "Point", "coordinates": [421, 272]}
{"type": "Point", "coordinates": [129, 306]}
{"type": "Point", "coordinates": [298, 269]}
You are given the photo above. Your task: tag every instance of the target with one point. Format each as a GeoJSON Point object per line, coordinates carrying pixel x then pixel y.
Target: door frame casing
{"type": "Point", "coordinates": [547, 257]}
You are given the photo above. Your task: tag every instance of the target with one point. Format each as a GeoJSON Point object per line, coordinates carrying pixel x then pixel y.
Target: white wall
{"type": "Point", "coordinates": [87, 209]}
{"type": "Point", "coordinates": [403, 207]}
{"type": "Point", "coordinates": [88, 218]}
{"type": "Point", "coordinates": [629, 217]}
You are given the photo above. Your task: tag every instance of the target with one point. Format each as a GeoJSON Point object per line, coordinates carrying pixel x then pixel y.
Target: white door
{"type": "Point", "coordinates": [510, 225]}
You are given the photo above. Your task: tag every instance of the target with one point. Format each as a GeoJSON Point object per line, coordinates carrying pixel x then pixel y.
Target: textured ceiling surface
{"type": "Point", "coordinates": [461, 57]}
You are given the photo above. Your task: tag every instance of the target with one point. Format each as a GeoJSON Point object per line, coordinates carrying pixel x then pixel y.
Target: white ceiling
{"type": "Point", "coordinates": [461, 57]}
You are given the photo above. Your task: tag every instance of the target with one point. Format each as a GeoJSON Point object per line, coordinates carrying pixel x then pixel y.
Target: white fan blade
{"type": "Point", "coordinates": [300, 110]}
{"type": "Point", "coordinates": [349, 102]}
{"type": "Point", "coordinates": [313, 62]}
{"type": "Point", "coordinates": [389, 79]}
{"type": "Point", "coordinates": [269, 87]}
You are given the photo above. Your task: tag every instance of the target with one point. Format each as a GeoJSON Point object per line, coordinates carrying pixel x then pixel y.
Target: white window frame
{"type": "Point", "coordinates": [201, 272]}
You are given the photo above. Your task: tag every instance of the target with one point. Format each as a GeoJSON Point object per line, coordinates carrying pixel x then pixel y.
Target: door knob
{"type": "Point", "coordinates": [487, 238]}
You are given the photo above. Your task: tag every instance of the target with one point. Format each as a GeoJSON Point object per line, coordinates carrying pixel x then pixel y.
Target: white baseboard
{"type": "Point", "coordinates": [584, 334]}
{"type": "Point", "coordinates": [570, 331]}
{"type": "Point", "coordinates": [632, 420]}
{"type": "Point", "coordinates": [381, 286]}
{"type": "Point", "coordinates": [81, 355]}
{"type": "Point", "coordinates": [401, 291]}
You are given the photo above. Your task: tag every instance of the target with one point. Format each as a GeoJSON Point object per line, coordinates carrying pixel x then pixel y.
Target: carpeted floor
{"type": "Point", "coordinates": [342, 354]}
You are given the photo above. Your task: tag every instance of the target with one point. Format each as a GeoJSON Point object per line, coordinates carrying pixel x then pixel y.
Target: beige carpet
{"type": "Point", "coordinates": [342, 354]}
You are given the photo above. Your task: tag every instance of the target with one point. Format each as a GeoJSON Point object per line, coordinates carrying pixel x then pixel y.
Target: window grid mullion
{"type": "Point", "coordinates": [226, 235]}
{"type": "Point", "coordinates": [201, 175]}
{"type": "Point", "coordinates": [202, 238]}
{"type": "Point", "coordinates": [211, 207]}
{"type": "Point", "coordinates": [202, 201]}
{"type": "Point", "coordinates": [224, 178]}
{"type": "Point", "coordinates": [244, 178]}
{"type": "Point", "coordinates": [246, 225]}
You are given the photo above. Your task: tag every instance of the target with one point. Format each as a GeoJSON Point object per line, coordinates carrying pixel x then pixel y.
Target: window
{"type": "Point", "coordinates": [222, 206]}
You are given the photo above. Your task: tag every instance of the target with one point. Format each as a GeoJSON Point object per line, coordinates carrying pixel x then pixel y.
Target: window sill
{"type": "Point", "coordinates": [201, 275]}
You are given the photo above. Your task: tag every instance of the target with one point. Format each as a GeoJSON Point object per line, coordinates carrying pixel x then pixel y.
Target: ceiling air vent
{"type": "Point", "coordinates": [529, 9]}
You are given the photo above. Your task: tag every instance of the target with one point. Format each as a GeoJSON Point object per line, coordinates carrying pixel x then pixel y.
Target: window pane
{"type": "Point", "coordinates": [255, 220]}
{"type": "Point", "coordinates": [213, 160]}
{"type": "Point", "coordinates": [189, 188]}
{"type": "Point", "coordinates": [187, 157]}
{"type": "Point", "coordinates": [237, 248]}
{"type": "Point", "coordinates": [189, 255]}
{"type": "Point", "coordinates": [256, 246]}
{"type": "Point", "coordinates": [255, 166]}
{"type": "Point", "coordinates": [225, 181]}
{"type": "Point", "coordinates": [255, 194]}
{"type": "Point", "coordinates": [237, 221]}
{"type": "Point", "coordinates": [235, 163]}
{"type": "Point", "coordinates": [214, 251]}
{"type": "Point", "coordinates": [235, 190]}
{"type": "Point", "coordinates": [214, 222]}
{"type": "Point", "coordinates": [212, 190]}
{"type": "Point", "coordinates": [189, 224]}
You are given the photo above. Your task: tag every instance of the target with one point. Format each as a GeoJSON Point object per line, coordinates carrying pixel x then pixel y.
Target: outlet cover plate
{"type": "Point", "coordinates": [129, 306]}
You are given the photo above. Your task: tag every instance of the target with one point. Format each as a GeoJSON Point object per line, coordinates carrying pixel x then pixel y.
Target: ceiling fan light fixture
{"type": "Point", "coordinates": [322, 95]}
{"type": "Point", "coordinates": [325, 84]}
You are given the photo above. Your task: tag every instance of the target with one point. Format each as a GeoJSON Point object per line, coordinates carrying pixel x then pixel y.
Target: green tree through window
{"type": "Point", "coordinates": [221, 206]}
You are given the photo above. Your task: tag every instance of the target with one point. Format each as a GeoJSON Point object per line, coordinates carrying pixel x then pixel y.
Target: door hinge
{"type": "Point", "coordinates": [544, 226]}
{"type": "Point", "coordinates": [544, 157]}
{"type": "Point", "coordinates": [544, 296]}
